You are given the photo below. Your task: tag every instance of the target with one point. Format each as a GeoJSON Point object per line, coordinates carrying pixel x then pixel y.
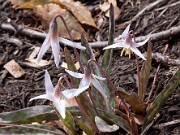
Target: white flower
{"type": "Point", "coordinates": [88, 79]}
{"type": "Point", "coordinates": [128, 44]}
{"type": "Point", "coordinates": [52, 39]}
{"type": "Point", "coordinates": [53, 94]}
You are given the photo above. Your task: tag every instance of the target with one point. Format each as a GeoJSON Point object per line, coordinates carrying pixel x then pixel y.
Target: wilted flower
{"type": "Point", "coordinates": [128, 44]}
{"type": "Point", "coordinates": [53, 94]}
{"type": "Point", "coordinates": [52, 39]}
{"type": "Point", "coordinates": [88, 79]}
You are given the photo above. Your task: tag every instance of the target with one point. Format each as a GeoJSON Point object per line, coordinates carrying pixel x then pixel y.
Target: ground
{"type": "Point", "coordinates": [15, 93]}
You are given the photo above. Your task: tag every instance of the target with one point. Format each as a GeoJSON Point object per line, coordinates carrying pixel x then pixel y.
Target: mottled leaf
{"type": "Point", "coordinates": [162, 97]}
{"type": "Point", "coordinates": [85, 128]}
{"type": "Point", "coordinates": [107, 57]}
{"type": "Point", "coordinates": [29, 115]}
{"type": "Point", "coordinates": [83, 101]}
{"type": "Point", "coordinates": [145, 71]}
{"type": "Point", "coordinates": [69, 124]}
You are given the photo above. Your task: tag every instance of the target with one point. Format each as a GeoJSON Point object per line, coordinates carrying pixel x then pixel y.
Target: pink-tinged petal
{"type": "Point", "coordinates": [68, 94]}
{"type": "Point", "coordinates": [60, 106]}
{"type": "Point", "coordinates": [45, 46]}
{"type": "Point", "coordinates": [98, 77]}
{"type": "Point", "coordinates": [125, 32]}
{"type": "Point", "coordinates": [44, 96]}
{"type": "Point", "coordinates": [72, 44]}
{"type": "Point", "coordinates": [137, 52]}
{"type": "Point", "coordinates": [85, 82]}
{"type": "Point", "coordinates": [98, 86]}
{"type": "Point", "coordinates": [55, 49]}
{"type": "Point", "coordinates": [140, 43]}
{"type": "Point", "coordinates": [74, 74]}
{"type": "Point", "coordinates": [116, 45]}
{"type": "Point", "coordinates": [48, 84]}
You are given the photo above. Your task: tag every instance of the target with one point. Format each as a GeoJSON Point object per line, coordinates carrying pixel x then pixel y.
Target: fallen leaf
{"type": "Point", "coordinates": [103, 126]}
{"type": "Point", "coordinates": [34, 52]}
{"type": "Point", "coordinates": [82, 14]}
{"type": "Point", "coordinates": [105, 8]}
{"type": "Point", "coordinates": [14, 69]}
{"type": "Point", "coordinates": [49, 11]}
{"type": "Point", "coordinates": [64, 65]}
{"type": "Point", "coordinates": [33, 63]}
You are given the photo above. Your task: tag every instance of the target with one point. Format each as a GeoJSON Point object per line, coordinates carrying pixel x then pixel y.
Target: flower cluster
{"type": "Point", "coordinates": [88, 79]}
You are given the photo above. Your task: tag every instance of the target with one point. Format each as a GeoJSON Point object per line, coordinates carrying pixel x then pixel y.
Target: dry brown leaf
{"type": "Point", "coordinates": [139, 119]}
{"type": "Point", "coordinates": [82, 14]}
{"type": "Point", "coordinates": [105, 8]}
{"type": "Point", "coordinates": [47, 13]}
{"type": "Point", "coordinates": [64, 65]}
{"type": "Point", "coordinates": [31, 62]}
{"type": "Point", "coordinates": [14, 69]}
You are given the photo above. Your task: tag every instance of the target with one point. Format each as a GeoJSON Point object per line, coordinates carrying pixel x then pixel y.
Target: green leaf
{"type": "Point", "coordinates": [29, 115]}
{"type": "Point", "coordinates": [114, 119]}
{"type": "Point", "coordinates": [106, 62]}
{"type": "Point", "coordinates": [83, 101]}
{"type": "Point", "coordinates": [30, 129]}
{"type": "Point", "coordinates": [162, 97]}
{"type": "Point", "coordinates": [145, 71]}
{"type": "Point", "coordinates": [85, 128]}
{"type": "Point", "coordinates": [69, 124]}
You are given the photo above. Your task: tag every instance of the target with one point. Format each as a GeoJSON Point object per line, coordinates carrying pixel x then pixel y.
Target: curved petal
{"type": "Point", "coordinates": [45, 46]}
{"type": "Point", "coordinates": [99, 77]}
{"type": "Point", "coordinates": [44, 96]}
{"type": "Point", "coordinates": [140, 43]}
{"type": "Point", "coordinates": [137, 52]}
{"type": "Point", "coordinates": [60, 106]}
{"type": "Point", "coordinates": [85, 82]}
{"type": "Point", "coordinates": [48, 84]}
{"type": "Point", "coordinates": [55, 49]}
{"type": "Point", "coordinates": [116, 45]}
{"type": "Point", "coordinates": [70, 93]}
{"type": "Point", "coordinates": [72, 44]}
{"type": "Point", "coordinates": [98, 86]}
{"type": "Point", "coordinates": [74, 74]}
{"type": "Point", "coordinates": [125, 32]}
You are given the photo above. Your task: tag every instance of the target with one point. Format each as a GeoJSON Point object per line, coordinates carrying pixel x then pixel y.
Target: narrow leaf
{"type": "Point", "coordinates": [85, 128]}
{"type": "Point", "coordinates": [69, 124]}
{"type": "Point", "coordinates": [106, 62]}
{"type": "Point", "coordinates": [145, 71]}
{"type": "Point", "coordinates": [162, 97]}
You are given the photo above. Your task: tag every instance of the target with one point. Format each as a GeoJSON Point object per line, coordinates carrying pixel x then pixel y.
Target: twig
{"type": "Point", "coordinates": [39, 35]}
{"type": "Point", "coordinates": [155, 76]}
{"type": "Point", "coordinates": [165, 59]}
{"type": "Point", "coordinates": [168, 6]}
{"type": "Point", "coordinates": [147, 8]}
{"type": "Point", "coordinates": [147, 128]}
{"type": "Point", "coordinates": [168, 124]}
